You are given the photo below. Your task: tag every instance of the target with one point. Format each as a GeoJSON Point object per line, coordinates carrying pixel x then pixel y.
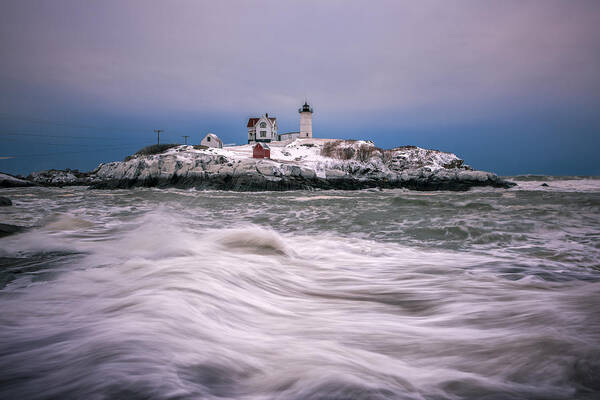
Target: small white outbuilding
{"type": "Point", "coordinates": [212, 140]}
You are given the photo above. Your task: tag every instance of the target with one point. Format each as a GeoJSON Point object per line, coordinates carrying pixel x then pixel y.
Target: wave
{"type": "Point", "coordinates": [564, 184]}
{"type": "Point", "coordinates": [405, 201]}
{"type": "Point", "coordinates": [253, 240]}
{"type": "Point", "coordinates": [320, 197]}
{"type": "Point", "coordinates": [165, 307]}
{"type": "Point", "coordinates": [64, 222]}
{"type": "Point", "coordinates": [478, 206]}
{"type": "Point", "coordinates": [541, 178]}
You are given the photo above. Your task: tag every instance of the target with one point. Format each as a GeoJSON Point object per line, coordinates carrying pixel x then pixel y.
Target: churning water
{"type": "Point", "coordinates": [174, 294]}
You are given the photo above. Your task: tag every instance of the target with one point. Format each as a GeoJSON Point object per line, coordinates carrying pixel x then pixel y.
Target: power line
{"type": "Point", "coordinates": [62, 136]}
{"type": "Point", "coordinates": [63, 152]}
{"type": "Point", "coordinates": [4, 136]}
{"type": "Point", "coordinates": [53, 136]}
{"type": "Point", "coordinates": [66, 124]}
{"type": "Point", "coordinates": [61, 144]}
{"type": "Point", "coordinates": [41, 121]}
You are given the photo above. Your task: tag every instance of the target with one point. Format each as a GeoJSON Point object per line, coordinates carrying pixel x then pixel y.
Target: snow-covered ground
{"type": "Point", "coordinates": [308, 153]}
{"type": "Point", "coordinates": [297, 150]}
{"type": "Point", "coordinates": [299, 164]}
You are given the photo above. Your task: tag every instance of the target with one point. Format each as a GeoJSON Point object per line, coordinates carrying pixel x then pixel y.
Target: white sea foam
{"type": "Point", "coordinates": [556, 184]}
{"type": "Point", "coordinates": [263, 296]}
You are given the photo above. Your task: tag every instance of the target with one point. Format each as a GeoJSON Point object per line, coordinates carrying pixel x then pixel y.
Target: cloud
{"type": "Point", "coordinates": [186, 56]}
{"type": "Point", "coordinates": [467, 76]}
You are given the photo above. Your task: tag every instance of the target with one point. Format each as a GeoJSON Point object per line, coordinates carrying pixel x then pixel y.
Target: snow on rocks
{"type": "Point", "coordinates": [433, 160]}
{"type": "Point", "coordinates": [299, 164]}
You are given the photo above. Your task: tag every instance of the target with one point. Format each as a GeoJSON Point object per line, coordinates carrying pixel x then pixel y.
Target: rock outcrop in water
{"type": "Point", "coordinates": [8, 229]}
{"type": "Point", "coordinates": [301, 164]}
{"type": "Point", "coordinates": [8, 181]}
{"type": "Point", "coordinates": [57, 177]}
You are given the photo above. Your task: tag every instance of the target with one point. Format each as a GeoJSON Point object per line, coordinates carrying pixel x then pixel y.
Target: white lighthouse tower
{"type": "Point", "coordinates": [306, 112]}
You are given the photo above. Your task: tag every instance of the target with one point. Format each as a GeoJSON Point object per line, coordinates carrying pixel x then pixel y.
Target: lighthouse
{"type": "Point", "coordinates": [306, 112]}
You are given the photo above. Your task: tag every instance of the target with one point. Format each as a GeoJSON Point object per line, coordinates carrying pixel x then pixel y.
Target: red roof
{"type": "Point", "coordinates": [253, 121]}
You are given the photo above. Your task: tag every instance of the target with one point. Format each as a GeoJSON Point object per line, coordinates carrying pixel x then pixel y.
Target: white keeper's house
{"type": "Point", "coordinates": [264, 129]}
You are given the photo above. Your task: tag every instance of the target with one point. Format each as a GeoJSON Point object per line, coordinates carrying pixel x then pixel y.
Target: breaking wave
{"type": "Point", "coordinates": [134, 300]}
{"type": "Point", "coordinates": [63, 222]}
{"type": "Point", "coordinates": [253, 240]}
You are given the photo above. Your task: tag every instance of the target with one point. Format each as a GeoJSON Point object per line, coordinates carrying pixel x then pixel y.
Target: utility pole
{"type": "Point", "coordinates": [158, 131]}
{"type": "Point", "coordinates": [185, 136]}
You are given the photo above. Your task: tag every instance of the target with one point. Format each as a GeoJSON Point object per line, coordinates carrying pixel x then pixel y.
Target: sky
{"type": "Point", "coordinates": [512, 87]}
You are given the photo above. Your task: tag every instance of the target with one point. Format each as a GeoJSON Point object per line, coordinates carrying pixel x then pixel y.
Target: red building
{"type": "Point", "coordinates": [261, 150]}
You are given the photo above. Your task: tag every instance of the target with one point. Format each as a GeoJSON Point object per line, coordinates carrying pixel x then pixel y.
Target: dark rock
{"type": "Point", "coordinates": [454, 164]}
{"type": "Point", "coordinates": [259, 182]}
{"type": "Point", "coordinates": [7, 229]}
{"type": "Point", "coordinates": [5, 201]}
{"type": "Point", "coordinates": [544, 184]}
{"type": "Point", "coordinates": [409, 167]}
{"type": "Point", "coordinates": [57, 177]}
{"type": "Point", "coordinates": [9, 181]}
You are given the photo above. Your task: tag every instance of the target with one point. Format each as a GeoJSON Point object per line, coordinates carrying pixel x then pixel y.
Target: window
{"type": "Point", "coordinates": [263, 133]}
{"type": "Point", "coordinates": [263, 125]}
{"type": "Point", "coordinates": [208, 139]}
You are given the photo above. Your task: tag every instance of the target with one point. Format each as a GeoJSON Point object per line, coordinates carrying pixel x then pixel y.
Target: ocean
{"type": "Point", "coordinates": [393, 294]}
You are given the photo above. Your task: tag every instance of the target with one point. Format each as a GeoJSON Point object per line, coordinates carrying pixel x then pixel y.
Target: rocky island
{"type": "Point", "coordinates": [293, 165]}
